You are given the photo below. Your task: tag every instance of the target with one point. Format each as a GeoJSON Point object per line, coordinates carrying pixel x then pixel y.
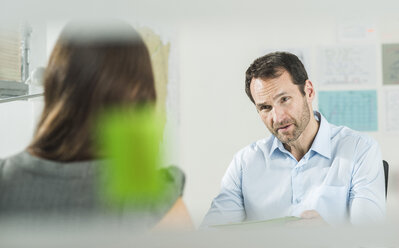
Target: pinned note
{"type": "Point", "coordinates": [390, 63]}
{"type": "Point", "coordinates": [392, 109]}
{"type": "Point", "coordinates": [355, 109]}
{"type": "Point", "coordinates": [343, 65]}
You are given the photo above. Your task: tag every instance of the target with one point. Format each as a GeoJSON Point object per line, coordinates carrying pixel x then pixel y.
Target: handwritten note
{"type": "Point", "coordinates": [347, 65]}
{"type": "Point", "coordinates": [356, 31]}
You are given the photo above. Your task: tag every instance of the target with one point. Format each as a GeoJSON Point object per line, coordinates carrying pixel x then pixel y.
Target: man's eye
{"type": "Point", "coordinates": [284, 99]}
{"type": "Point", "coordinates": [265, 107]}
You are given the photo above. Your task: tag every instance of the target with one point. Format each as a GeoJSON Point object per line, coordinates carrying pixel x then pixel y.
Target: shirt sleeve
{"type": "Point", "coordinates": [228, 206]}
{"type": "Point", "coordinates": [367, 192]}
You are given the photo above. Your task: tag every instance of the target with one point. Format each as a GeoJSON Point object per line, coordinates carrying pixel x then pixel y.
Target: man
{"type": "Point", "coordinates": [308, 168]}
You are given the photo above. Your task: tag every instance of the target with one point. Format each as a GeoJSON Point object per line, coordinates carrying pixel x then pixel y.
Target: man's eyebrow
{"type": "Point", "coordinates": [261, 104]}
{"type": "Point", "coordinates": [279, 95]}
{"type": "Point", "coordinates": [274, 98]}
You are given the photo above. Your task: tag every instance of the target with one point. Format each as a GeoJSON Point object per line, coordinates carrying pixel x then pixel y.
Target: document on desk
{"type": "Point", "coordinates": [258, 224]}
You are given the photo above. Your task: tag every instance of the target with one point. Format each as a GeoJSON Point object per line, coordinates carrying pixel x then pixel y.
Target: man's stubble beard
{"type": "Point", "coordinates": [298, 127]}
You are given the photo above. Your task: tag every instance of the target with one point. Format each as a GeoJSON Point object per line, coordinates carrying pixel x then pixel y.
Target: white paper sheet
{"type": "Point", "coordinates": [340, 65]}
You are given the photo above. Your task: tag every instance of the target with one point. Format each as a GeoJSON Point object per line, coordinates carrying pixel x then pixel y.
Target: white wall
{"type": "Point", "coordinates": [215, 41]}
{"type": "Point", "coordinates": [16, 127]}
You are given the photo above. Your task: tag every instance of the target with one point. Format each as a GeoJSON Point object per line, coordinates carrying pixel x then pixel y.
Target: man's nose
{"type": "Point", "coordinates": [278, 114]}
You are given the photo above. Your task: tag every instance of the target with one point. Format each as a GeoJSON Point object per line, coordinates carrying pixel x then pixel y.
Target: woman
{"type": "Point", "coordinates": [92, 67]}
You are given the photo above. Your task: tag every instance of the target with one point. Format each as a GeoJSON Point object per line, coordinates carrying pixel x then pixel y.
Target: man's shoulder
{"type": "Point", "coordinates": [344, 134]}
{"type": "Point", "coordinates": [257, 148]}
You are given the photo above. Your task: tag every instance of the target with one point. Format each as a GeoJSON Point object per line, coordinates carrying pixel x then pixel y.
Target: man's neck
{"type": "Point", "coordinates": [301, 146]}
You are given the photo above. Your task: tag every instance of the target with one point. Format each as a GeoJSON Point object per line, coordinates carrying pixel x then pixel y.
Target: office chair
{"type": "Point", "coordinates": [386, 172]}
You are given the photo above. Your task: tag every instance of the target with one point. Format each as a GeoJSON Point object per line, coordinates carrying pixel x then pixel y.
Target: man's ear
{"type": "Point", "coordinates": [309, 90]}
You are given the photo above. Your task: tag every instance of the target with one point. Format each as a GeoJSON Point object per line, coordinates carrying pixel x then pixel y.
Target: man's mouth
{"type": "Point", "coordinates": [283, 128]}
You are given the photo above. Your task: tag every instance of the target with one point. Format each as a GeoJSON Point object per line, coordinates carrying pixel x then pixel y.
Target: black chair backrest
{"type": "Point", "coordinates": [386, 172]}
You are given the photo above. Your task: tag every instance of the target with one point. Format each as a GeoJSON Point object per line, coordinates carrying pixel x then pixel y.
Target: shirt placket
{"type": "Point", "coordinates": [297, 182]}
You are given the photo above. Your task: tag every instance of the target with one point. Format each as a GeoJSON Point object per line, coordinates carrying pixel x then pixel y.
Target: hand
{"type": "Point", "coordinates": [309, 218]}
{"type": "Point", "coordinates": [177, 219]}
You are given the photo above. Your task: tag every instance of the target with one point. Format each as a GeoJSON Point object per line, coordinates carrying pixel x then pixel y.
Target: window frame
{"type": "Point", "coordinates": [10, 89]}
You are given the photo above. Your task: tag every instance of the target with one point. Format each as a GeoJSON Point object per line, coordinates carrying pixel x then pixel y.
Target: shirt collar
{"type": "Point", "coordinates": [321, 143]}
{"type": "Point", "coordinates": [276, 145]}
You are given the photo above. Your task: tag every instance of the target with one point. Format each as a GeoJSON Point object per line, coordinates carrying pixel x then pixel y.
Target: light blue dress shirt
{"type": "Point", "coordinates": [341, 177]}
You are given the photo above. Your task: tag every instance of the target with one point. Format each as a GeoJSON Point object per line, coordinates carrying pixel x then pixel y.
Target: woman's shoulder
{"type": "Point", "coordinates": [12, 161]}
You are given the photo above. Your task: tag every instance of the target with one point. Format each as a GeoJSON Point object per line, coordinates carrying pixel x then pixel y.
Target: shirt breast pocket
{"type": "Point", "coordinates": [331, 202]}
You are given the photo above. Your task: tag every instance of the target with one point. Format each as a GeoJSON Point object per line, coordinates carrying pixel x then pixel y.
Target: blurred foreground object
{"type": "Point", "coordinates": [129, 140]}
{"type": "Point", "coordinates": [131, 177]}
{"type": "Point", "coordinates": [62, 177]}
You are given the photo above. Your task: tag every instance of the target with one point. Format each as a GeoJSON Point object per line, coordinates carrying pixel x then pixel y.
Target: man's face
{"type": "Point", "coordinates": [282, 107]}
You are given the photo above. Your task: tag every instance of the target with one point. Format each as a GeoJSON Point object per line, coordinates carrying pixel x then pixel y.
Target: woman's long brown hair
{"type": "Point", "coordinates": [91, 68]}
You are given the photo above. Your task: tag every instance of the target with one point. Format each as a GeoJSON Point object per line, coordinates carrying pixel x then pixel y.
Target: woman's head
{"type": "Point", "coordinates": [93, 66]}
